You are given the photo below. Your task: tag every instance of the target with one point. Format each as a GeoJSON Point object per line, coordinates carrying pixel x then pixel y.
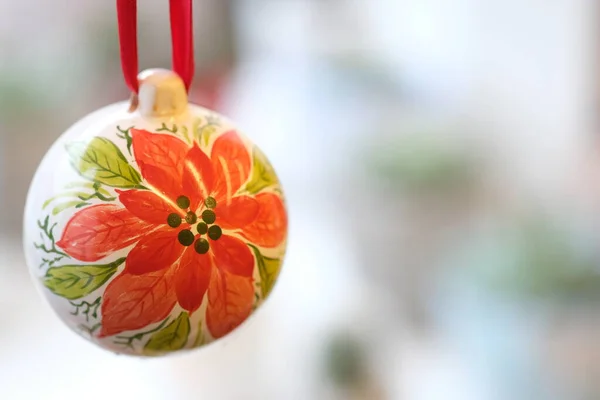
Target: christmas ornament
{"type": "Point", "coordinates": [155, 226]}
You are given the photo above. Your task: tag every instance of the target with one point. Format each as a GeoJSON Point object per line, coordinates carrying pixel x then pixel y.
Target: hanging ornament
{"type": "Point", "coordinates": [154, 225]}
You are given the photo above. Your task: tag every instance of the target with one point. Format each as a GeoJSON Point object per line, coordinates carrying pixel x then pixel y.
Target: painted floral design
{"type": "Point", "coordinates": [193, 225]}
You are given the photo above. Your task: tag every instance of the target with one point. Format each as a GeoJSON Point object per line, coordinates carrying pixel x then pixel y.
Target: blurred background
{"type": "Point", "coordinates": [442, 171]}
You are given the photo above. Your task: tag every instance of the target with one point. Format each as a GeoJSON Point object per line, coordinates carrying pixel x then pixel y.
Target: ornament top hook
{"type": "Point", "coordinates": [162, 94]}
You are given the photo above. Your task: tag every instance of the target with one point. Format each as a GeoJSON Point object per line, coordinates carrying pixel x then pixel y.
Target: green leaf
{"type": "Point", "coordinates": [172, 337]}
{"type": "Point", "coordinates": [58, 196]}
{"type": "Point", "coordinates": [103, 192]}
{"type": "Point", "coordinates": [101, 161]}
{"type": "Point", "coordinates": [63, 206]}
{"type": "Point", "coordinates": [79, 185]}
{"type": "Point", "coordinates": [76, 281]}
{"type": "Point", "coordinates": [269, 271]}
{"type": "Point", "coordinates": [263, 174]}
{"type": "Point", "coordinates": [200, 338]}
{"type": "Point", "coordinates": [207, 132]}
{"type": "Point", "coordinates": [196, 127]}
{"type": "Point", "coordinates": [186, 136]}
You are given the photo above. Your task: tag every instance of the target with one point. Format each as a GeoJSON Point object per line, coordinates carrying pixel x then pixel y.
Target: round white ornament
{"type": "Point", "coordinates": [154, 230]}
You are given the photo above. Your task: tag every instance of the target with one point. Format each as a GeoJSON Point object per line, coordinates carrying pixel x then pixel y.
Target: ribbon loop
{"type": "Point", "coordinates": [181, 38]}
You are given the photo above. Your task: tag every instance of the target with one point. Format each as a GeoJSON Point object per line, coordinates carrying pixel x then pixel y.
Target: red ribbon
{"type": "Point", "coordinates": [181, 36]}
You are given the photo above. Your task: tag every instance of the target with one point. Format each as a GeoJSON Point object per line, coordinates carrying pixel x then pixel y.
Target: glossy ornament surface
{"type": "Point", "coordinates": [156, 230]}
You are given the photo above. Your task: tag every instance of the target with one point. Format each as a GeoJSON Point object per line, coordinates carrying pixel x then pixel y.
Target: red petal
{"type": "Point", "coordinates": [240, 211]}
{"type": "Point", "coordinates": [147, 205]}
{"type": "Point", "coordinates": [231, 161]}
{"type": "Point", "coordinates": [198, 176]}
{"type": "Point", "coordinates": [99, 230]}
{"type": "Point", "coordinates": [230, 300]}
{"type": "Point", "coordinates": [135, 301]}
{"type": "Point", "coordinates": [155, 251]}
{"type": "Point", "coordinates": [160, 159]}
{"type": "Point", "coordinates": [192, 279]}
{"type": "Point", "coordinates": [269, 228]}
{"type": "Point", "coordinates": [232, 255]}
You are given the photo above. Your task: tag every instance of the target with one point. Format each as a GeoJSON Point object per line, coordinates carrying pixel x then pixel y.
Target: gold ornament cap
{"type": "Point", "coordinates": [162, 94]}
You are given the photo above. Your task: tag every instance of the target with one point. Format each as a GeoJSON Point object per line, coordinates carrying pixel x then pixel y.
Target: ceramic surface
{"type": "Point", "coordinates": [150, 235]}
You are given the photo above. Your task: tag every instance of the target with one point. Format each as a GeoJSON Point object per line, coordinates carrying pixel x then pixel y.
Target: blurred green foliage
{"type": "Point", "coordinates": [17, 96]}
{"type": "Point", "coordinates": [103, 38]}
{"type": "Point", "coordinates": [420, 163]}
{"type": "Point", "coordinates": [542, 259]}
{"type": "Point", "coordinates": [345, 361]}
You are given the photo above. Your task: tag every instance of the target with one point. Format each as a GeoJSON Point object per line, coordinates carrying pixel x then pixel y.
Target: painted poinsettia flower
{"type": "Point", "coordinates": [190, 230]}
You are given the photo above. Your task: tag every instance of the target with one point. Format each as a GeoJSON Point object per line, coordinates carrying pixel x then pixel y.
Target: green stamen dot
{"type": "Point", "coordinates": [210, 202]}
{"type": "Point", "coordinates": [174, 220]}
{"type": "Point", "coordinates": [191, 218]}
{"type": "Point", "coordinates": [201, 246]}
{"type": "Point", "coordinates": [215, 232]}
{"type": "Point", "coordinates": [186, 237]}
{"type": "Point", "coordinates": [209, 216]}
{"type": "Point", "coordinates": [183, 202]}
{"type": "Point", "coordinates": [202, 228]}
